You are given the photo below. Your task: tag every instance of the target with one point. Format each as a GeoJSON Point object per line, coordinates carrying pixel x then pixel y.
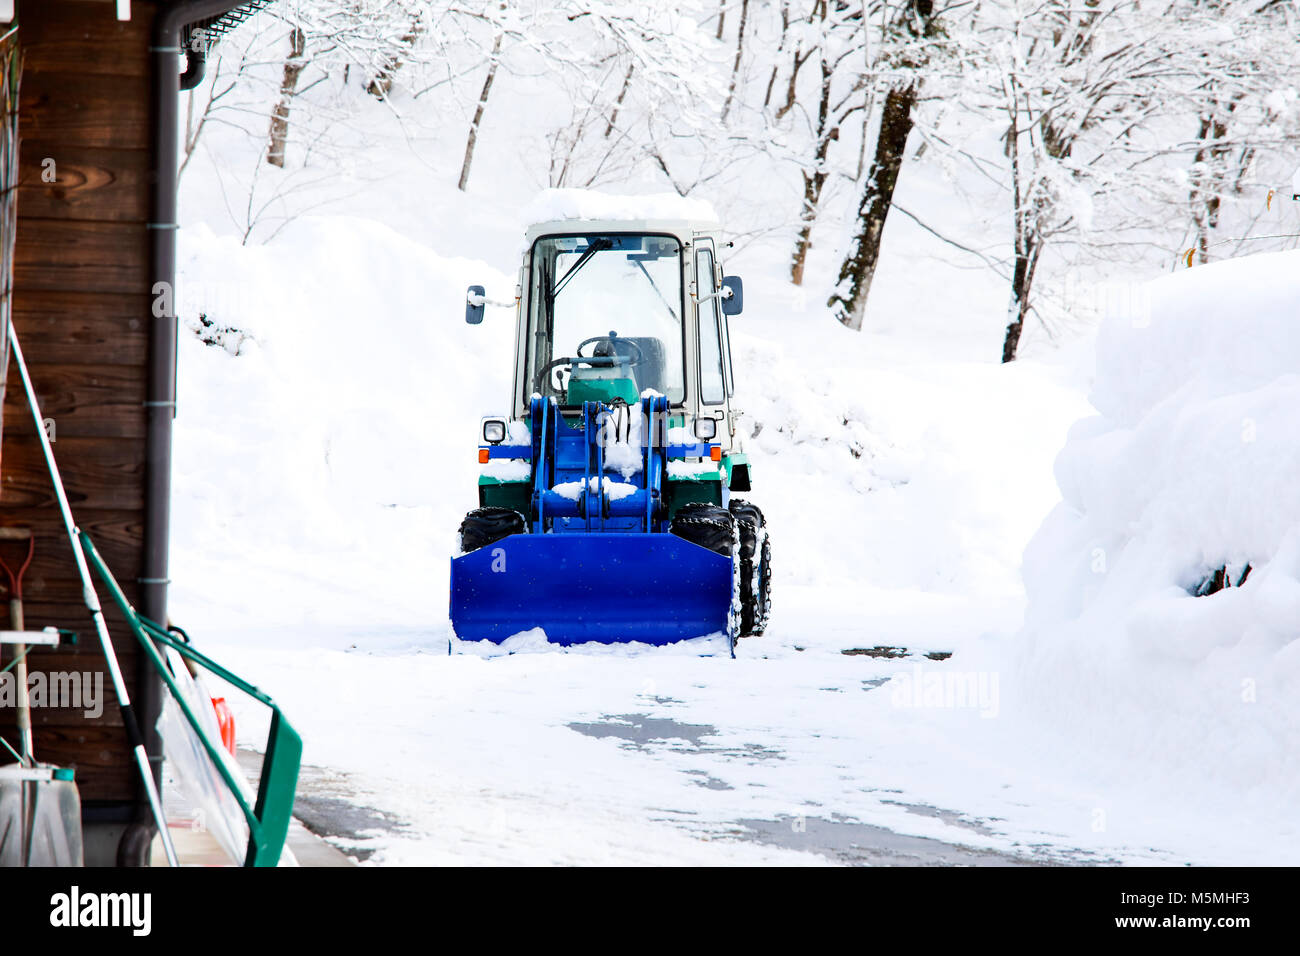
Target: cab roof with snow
{"type": "Point", "coordinates": [683, 229]}
{"type": "Point", "coordinates": [577, 211]}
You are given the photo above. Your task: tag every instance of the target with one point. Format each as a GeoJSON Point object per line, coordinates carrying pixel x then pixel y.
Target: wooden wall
{"type": "Point", "coordinates": [81, 311]}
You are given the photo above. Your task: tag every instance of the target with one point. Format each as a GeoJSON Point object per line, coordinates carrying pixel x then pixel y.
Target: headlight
{"type": "Point", "coordinates": [494, 431]}
{"type": "Point", "coordinates": [705, 428]}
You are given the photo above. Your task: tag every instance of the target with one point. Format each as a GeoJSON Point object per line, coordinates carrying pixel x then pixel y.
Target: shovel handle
{"type": "Point", "coordinates": [24, 718]}
{"type": "Point", "coordinates": [16, 579]}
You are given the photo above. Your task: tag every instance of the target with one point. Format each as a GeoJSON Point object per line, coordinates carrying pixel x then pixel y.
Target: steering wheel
{"type": "Point", "coordinates": [633, 360]}
{"type": "Point", "coordinates": [549, 372]}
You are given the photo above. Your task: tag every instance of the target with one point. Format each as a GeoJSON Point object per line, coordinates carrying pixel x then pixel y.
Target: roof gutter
{"type": "Point", "coordinates": [160, 399]}
{"type": "Point", "coordinates": [196, 63]}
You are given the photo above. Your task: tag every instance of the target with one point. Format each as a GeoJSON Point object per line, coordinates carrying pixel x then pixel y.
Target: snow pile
{"type": "Point", "coordinates": [588, 204]}
{"type": "Point", "coordinates": [535, 641]}
{"type": "Point", "coordinates": [692, 469]}
{"type": "Point", "coordinates": [1191, 466]}
{"type": "Point", "coordinates": [876, 461]}
{"type": "Point", "coordinates": [507, 469]}
{"type": "Point", "coordinates": [624, 456]}
{"type": "Point", "coordinates": [621, 438]}
{"type": "Point", "coordinates": [334, 456]}
{"type": "Point", "coordinates": [614, 490]}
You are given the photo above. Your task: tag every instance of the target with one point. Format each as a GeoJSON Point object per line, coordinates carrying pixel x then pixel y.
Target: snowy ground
{"type": "Point", "coordinates": [325, 455]}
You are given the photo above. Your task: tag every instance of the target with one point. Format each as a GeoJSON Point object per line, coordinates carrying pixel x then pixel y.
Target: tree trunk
{"type": "Point", "coordinates": [735, 66]}
{"type": "Point", "coordinates": [1024, 217]}
{"type": "Point", "coordinates": [1022, 279]}
{"type": "Point", "coordinates": [478, 114]}
{"type": "Point", "coordinates": [814, 178]}
{"type": "Point", "coordinates": [293, 68]}
{"type": "Point", "coordinates": [1207, 190]}
{"type": "Point", "coordinates": [849, 301]}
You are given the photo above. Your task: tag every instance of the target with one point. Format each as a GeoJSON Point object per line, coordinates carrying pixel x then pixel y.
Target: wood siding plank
{"type": "Point", "coordinates": [82, 401]}
{"type": "Point", "coordinates": [67, 326]}
{"type": "Point", "coordinates": [109, 185]}
{"type": "Point", "coordinates": [98, 473]}
{"type": "Point", "coordinates": [55, 254]}
{"type": "Point", "coordinates": [111, 112]}
{"type": "Point", "coordinates": [86, 37]}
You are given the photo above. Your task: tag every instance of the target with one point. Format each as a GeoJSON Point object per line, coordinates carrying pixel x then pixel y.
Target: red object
{"type": "Point", "coordinates": [16, 578]}
{"type": "Point", "coordinates": [226, 723]}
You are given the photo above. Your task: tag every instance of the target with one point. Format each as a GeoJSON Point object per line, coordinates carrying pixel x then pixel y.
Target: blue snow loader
{"type": "Point", "coordinates": [606, 510]}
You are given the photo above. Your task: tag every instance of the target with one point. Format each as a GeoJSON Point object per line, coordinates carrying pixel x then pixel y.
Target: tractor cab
{"type": "Point", "coordinates": [610, 310]}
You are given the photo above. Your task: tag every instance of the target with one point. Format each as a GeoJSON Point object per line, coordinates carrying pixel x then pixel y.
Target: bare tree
{"type": "Point", "coordinates": [909, 40]}
{"type": "Point", "coordinates": [618, 100]}
{"type": "Point", "coordinates": [780, 48]}
{"type": "Point", "coordinates": [1075, 83]}
{"type": "Point", "coordinates": [381, 84]}
{"type": "Point", "coordinates": [212, 95]}
{"type": "Point", "coordinates": [293, 67]}
{"type": "Point", "coordinates": [634, 80]}
{"type": "Point", "coordinates": [840, 94]}
{"type": "Point", "coordinates": [1238, 114]}
{"type": "Point", "coordinates": [740, 52]}
{"type": "Point", "coordinates": [493, 60]}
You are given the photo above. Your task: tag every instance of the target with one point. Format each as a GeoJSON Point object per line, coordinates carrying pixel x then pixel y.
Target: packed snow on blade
{"type": "Point", "coordinates": [605, 500]}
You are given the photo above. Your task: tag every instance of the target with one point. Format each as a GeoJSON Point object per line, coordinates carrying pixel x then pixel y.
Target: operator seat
{"type": "Point", "coordinates": [650, 373]}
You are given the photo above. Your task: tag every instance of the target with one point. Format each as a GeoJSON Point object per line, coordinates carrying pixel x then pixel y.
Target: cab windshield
{"type": "Point", "coordinates": [605, 318]}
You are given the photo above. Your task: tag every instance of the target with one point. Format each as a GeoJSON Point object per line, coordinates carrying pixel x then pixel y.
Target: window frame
{"type": "Point", "coordinates": [528, 331]}
{"type": "Point", "coordinates": [705, 245]}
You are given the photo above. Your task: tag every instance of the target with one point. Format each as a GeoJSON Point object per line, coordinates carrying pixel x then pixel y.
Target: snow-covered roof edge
{"type": "Point", "coordinates": [589, 205]}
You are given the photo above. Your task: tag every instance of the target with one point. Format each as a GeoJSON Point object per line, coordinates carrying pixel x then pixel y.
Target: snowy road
{"type": "Point", "coordinates": [796, 752]}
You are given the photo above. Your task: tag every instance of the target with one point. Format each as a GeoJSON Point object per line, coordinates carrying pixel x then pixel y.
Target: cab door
{"type": "Point", "coordinates": [712, 347]}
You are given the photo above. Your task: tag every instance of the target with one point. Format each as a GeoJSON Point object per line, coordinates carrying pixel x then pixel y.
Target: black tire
{"type": "Point", "coordinates": [755, 568]}
{"type": "Point", "coordinates": [484, 526]}
{"type": "Point", "coordinates": [707, 525]}
{"type": "Point", "coordinates": [713, 527]}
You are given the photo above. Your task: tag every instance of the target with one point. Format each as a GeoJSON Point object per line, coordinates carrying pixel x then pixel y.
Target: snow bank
{"type": "Point", "coordinates": [590, 204]}
{"type": "Point", "coordinates": [334, 456]}
{"type": "Point", "coordinates": [1220, 328]}
{"type": "Point", "coordinates": [1191, 465]}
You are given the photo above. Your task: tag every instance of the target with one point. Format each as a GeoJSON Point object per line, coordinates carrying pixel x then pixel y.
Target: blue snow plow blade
{"type": "Point", "coordinates": [608, 588]}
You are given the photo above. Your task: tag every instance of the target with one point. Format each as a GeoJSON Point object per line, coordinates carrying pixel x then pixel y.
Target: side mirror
{"type": "Point", "coordinates": [733, 303]}
{"type": "Point", "coordinates": [475, 300]}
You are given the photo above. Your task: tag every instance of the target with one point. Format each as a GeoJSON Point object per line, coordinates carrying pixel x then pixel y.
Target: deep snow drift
{"type": "Point", "coordinates": [1190, 466]}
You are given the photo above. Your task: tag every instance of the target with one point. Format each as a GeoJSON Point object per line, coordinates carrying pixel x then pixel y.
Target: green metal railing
{"type": "Point", "coordinates": [268, 821]}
